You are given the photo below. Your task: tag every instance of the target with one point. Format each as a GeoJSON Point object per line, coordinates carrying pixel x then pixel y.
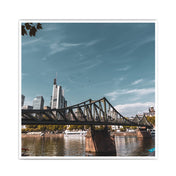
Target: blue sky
{"type": "Point", "coordinates": [92, 60]}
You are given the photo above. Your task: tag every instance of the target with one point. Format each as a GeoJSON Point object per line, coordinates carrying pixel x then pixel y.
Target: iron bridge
{"type": "Point", "coordinates": [90, 112]}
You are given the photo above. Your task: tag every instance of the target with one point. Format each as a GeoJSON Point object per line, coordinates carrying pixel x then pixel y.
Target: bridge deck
{"type": "Point", "coordinates": [62, 122]}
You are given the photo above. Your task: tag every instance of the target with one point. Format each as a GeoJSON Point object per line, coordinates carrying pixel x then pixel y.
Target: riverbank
{"type": "Point", "coordinates": [45, 135]}
{"type": "Point", "coordinates": [23, 135]}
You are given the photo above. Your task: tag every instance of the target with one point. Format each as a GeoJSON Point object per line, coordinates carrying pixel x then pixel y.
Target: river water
{"type": "Point", "coordinates": [75, 146]}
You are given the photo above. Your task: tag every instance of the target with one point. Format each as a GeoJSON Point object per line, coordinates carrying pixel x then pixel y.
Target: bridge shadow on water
{"type": "Point", "coordinates": [99, 154]}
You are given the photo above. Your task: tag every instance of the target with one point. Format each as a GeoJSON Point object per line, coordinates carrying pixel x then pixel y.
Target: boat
{"type": "Point", "coordinates": [67, 132]}
{"type": "Point", "coordinates": [152, 132]}
{"type": "Point", "coordinates": [42, 134]}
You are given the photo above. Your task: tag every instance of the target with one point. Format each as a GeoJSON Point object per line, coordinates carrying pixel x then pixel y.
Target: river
{"type": "Point", "coordinates": [73, 145]}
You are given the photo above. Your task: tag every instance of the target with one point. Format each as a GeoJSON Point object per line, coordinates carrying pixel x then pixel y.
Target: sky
{"type": "Point", "coordinates": [92, 60]}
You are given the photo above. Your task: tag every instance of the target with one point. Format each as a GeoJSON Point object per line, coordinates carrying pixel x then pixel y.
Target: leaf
{"type": "Point", "coordinates": [39, 26]}
{"type": "Point", "coordinates": [28, 26]}
{"type": "Point", "coordinates": [23, 30]}
{"type": "Point", "coordinates": [32, 32]}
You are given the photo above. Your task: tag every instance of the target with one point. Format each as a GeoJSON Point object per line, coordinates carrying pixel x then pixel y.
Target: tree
{"type": "Point", "coordinates": [30, 28]}
{"type": "Point", "coordinates": [76, 127]}
{"type": "Point", "coordinates": [151, 119]}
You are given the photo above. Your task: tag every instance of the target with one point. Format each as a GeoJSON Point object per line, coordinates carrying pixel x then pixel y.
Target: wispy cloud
{"type": "Point", "coordinates": [30, 42]}
{"type": "Point", "coordinates": [134, 108]}
{"type": "Point", "coordinates": [24, 75]}
{"type": "Point", "coordinates": [62, 46]}
{"type": "Point", "coordinates": [141, 91]}
{"type": "Point", "coordinates": [90, 66]}
{"type": "Point", "coordinates": [123, 68]}
{"type": "Point", "coordinates": [137, 81]}
{"type": "Point", "coordinates": [131, 45]}
{"type": "Point", "coordinates": [50, 28]}
{"type": "Point", "coordinates": [121, 78]}
{"type": "Point", "coordinates": [138, 92]}
{"type": "Point", "coordinates": [70, 44]}
{"type": "Point", "coordinates": [93, 42]}
{"type": "Point", "coordinates": [57, 47]}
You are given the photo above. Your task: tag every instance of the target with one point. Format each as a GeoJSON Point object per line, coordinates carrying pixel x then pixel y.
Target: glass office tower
{"type": "Point", "coordinates": [38, 102]}
{"type": "Point", "coordinates": [57, 100]}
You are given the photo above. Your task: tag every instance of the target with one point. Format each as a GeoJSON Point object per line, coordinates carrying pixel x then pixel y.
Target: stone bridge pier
{"type": "Point", "coordinates": [143, 132]}
{"type": "Point", "coordinates": [100, 142]}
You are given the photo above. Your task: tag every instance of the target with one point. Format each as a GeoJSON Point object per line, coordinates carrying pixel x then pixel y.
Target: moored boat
{"type": "Point", "coordinates": [67, 132]}
{"type": "Point", "coordinates": [152, 132]}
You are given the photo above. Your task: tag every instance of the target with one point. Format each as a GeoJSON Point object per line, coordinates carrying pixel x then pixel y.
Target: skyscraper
{"type": "Point", "coordinates": [22, 100]}
{"type": "Point", "coordinates": [38, 102]}
{"type": "Point", "coordinates": [57, 100]}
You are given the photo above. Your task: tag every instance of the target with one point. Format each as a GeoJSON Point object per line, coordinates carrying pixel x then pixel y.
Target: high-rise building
{"type": "Point", "coordinates": [38, 102]}
{"type": "Point", "coordinates": [57, 100]}
{"type": "Point", "coordinates": [22, 100]}
{"type": "Point", "coordinates": [27, 107]}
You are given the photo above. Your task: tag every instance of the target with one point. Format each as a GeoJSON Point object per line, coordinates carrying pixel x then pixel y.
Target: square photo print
{"type": "Point", "coordinates": [87, 89]}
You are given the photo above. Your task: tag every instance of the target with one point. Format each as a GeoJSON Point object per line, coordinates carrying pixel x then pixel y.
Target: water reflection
{"type": "Point", "coordinates": [44, 146]}
{"type": "Point", "coordinates": [75, 146]}
{"type": "Point", "coordinates": [133, 146]}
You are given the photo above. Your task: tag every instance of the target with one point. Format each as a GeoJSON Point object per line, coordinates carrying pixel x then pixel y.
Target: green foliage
{"type": "Point", "coordinates": [123, 129]}
{"type": "Point", "coordinates": [151, 119]}
{"type": "Point", "coordinates": [100, 127]}
{"type": "Point", "coordinates": [74, 127]}
{"type": "Point", "coordinates": [133, 127]}
{"type": "Point", "coordinates": [30, 128]}
{"type": "Point", "coordinates": [86, 127]}
{"type": "Point", "coordinates": [23, 130]}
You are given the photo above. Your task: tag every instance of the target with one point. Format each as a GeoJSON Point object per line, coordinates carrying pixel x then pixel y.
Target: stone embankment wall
{"type": "Point", "coordinates": [142, 133]}
{"type": "Point", "coordinates": [124, 133]}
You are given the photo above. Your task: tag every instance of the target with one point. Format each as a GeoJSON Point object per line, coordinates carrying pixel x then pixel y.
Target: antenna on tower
{"type": "Point", "coordinates": [56, 75]}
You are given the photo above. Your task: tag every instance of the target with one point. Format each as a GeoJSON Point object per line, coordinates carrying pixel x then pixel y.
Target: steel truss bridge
{"type": "Point", "coordinates": [90, 112]}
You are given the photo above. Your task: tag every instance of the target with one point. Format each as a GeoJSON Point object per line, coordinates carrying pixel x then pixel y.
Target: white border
{"type": "Point", "coordinates": [156, 88]}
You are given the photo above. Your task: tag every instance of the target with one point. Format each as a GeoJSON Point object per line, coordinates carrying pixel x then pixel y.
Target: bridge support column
{"type": "Point", "coordinates": [142, 133]}
{"type": "Point", "coordinates": [100, 142]}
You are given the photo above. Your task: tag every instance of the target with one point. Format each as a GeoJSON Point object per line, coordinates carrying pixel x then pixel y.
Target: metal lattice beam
{"type": "Point", "coordinates": [85, 113]}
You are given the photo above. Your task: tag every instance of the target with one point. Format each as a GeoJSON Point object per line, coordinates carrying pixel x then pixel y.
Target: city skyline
{"type": "Point", "coordinates": [93, 60]}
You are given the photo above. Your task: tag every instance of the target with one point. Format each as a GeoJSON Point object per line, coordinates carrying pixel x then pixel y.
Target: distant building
{"type": "Point", "coordinates": [140, 116]}
{"type": "Point", "coordinates": [23, 127]}
{"type": "Point", "coordinates": [38, 102]}
{"type": "Point", "coordinates": [27, 107]}
{"type": "Point", "coordinates": [57, 100]}
{"type": "Point", "coordinates": [65, 103]}
{"type": "Point", "coordinates": [50, 101]}
{"type": "Point", "coordinates": [22, 100]}
{"type": "Point", "coordinates": [47, 107]}
{"type": "Point", "coordinates": [130, 118]}
{"type": "Point", "coordinates": [151, 112]}
{"type": "Point", "coordinates": [115, 127]}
